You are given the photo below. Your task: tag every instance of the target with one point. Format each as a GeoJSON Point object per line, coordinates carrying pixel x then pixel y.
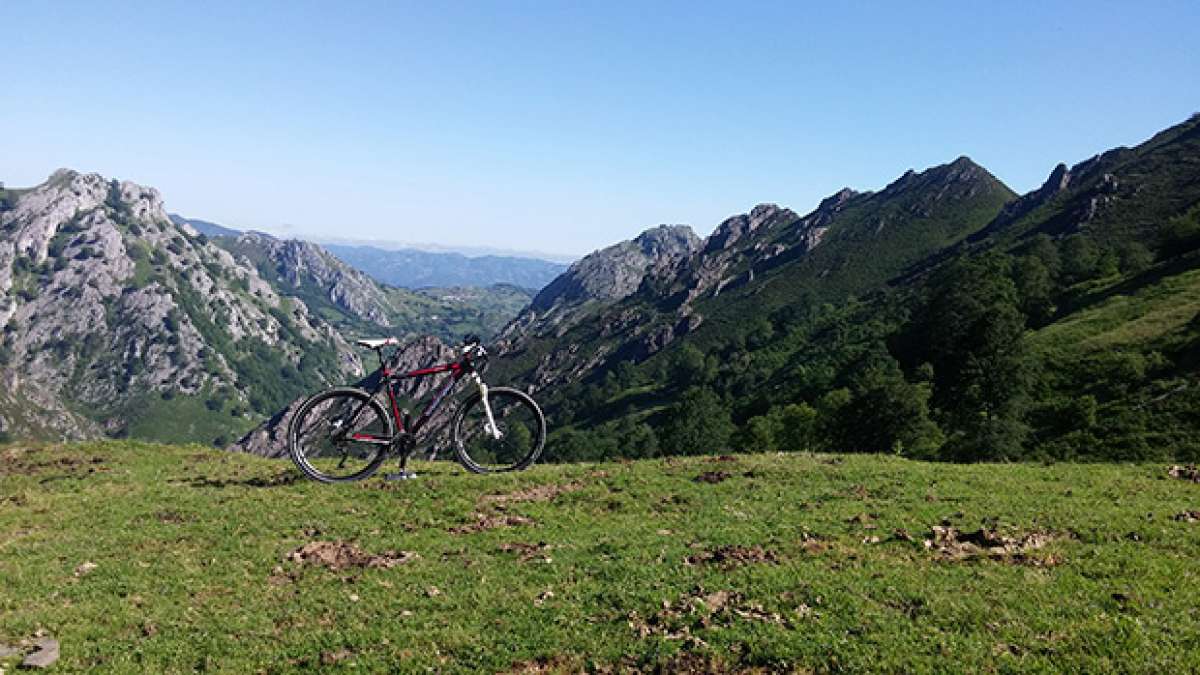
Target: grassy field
{"type": "Point", "coordinates": [139, 557]}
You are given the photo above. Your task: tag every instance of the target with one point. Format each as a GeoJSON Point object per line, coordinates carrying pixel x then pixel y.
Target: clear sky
{"type": "Point", "coordinates": [566, 126]}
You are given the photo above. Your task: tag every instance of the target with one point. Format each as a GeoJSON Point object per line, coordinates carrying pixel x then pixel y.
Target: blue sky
{"type": "Point", "coordinates": [564, 127]}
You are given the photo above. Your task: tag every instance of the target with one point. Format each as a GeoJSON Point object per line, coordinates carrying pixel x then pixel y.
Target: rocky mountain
{"type": "Point", "coordinates": [751, 265]}
{"type": "Point", "coordinates": [117, 320]}
{"type": "Point", "coordinates": [831, 314]}
{"type": "Point", "coordinates": [413, 268]}
{"type": "Point", "coordinates": [602, 278]}
{"type": "Point", "coordinates": [358, 305]}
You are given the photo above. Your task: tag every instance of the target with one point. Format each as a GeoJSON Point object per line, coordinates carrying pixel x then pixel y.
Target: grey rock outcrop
{"type": "Point", "coordinates": [303, 267]}
{"type": "Point", "coordinates": [603, 277]}
{"type": "Point", "coordinates": [105, 301]}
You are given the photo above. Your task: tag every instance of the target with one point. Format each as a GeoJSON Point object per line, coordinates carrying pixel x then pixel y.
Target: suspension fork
{"type": "Point", "coordinates": [491, 428]}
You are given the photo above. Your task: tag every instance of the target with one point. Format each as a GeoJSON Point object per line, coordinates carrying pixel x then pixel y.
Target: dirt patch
{"type": "Point", "coordinates": [1185, 472]}
{"type": "Point", "coordinates": [949, 544]}
{"type": "Point", "coordinates": [814, 544]}
{"type": "Point", "coordinates": [728, 557]}
{"type": "Point", "coordinates": [491, 521]}
{"type": "Point", "coordinates": [537, 493]}
{"type": "Point", "coordinates": [528, 552]}
{"type": "Point", "coordinates": [26, 462]}
{"type": "Point", "coordinates": [172, 518]}
{"type": "Point", "coordinates": [546, 664]}
{"type": "Point", "coordinates": [713, 477]}
{"type": "Point", "coordinates": [859, 492]}
{"type": "Point", "coordinates": [864, 520]}
{"type": "Point", "coordinates": [281, 479]}
{"type": "Point", "coordinates": [15, 500]}
{"type": "Point", "coordinates": [339, 555]}
{"type": "Point", "coordinates": [699, 610]}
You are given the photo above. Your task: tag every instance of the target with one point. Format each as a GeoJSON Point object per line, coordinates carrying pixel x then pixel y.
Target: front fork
{"type": "Point", "coordinates": [490, 428]}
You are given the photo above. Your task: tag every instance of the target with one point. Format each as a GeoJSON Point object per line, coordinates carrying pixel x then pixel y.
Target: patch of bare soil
{"type": "Point", "coordinates": [491, 521]}
{"type": "Point", "coordinates": [280, 479]}
{"type": "Point", "coordinates": [26, 462]}
{"type": "Point", "coordinates": [537, 493]}
{"type": "Point", "coordinates": [339, 555]}
{"type": "Point", "coordinates": [949, 544]}
{"type": "Point", "coordinates": [528, 552]}
{"type": "Point", "coordinates": [541, 666]}
{"type": "Point", "coordinates": [1189, 473]}
{"type": "Point", "coordinates": [713, 477]}
{"type": "Point", "coordinates": [728, 557]}
{"type": "Point", "coordinates": [172, 517]}
{"type": "Point", "coordinates": [688, 663]}
{"type": "Point", "coordinates": [698, 610]}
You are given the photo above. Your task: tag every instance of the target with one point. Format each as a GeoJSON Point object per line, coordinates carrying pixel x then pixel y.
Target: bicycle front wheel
{"type": "Point", "coordinates": [513, 444]}
{"type": "Point", "coordinates": [340, 435]}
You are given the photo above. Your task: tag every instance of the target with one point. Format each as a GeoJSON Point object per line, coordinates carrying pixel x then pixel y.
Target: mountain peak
{"type": "Point", "coordinates": [667, 238]}
{"type": "Point", "coordinates": [962, 171]}
{"type": "Point", "coordinates": [615, 272]}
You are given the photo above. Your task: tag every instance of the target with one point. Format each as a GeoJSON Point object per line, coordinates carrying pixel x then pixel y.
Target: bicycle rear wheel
{"type": "Point", "coordinates": [521, 431]}
{"type": "Point", "coordinates": [340, 435]}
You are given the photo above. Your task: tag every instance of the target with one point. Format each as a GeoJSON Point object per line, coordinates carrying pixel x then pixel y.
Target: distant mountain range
{"type": "Point", "coordinates": [412, 268]}
{"type": "Point", "coordinates": [416, 268]}
{"type": "Point", "coordinates": [203, 226]}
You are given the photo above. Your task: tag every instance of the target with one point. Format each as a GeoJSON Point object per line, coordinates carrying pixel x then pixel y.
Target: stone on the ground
{"type": "Point", "coordinates": [44, 654]}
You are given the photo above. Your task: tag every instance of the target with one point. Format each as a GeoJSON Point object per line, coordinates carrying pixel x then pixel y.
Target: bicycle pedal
{"type": "Point", "coordinates": [403, 475]}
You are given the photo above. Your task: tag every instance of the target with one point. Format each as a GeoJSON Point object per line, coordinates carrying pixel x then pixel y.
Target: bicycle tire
{"type": "Point", "coordinates": [374, 455]}
{"type": "Point", "coordinates": [479, 454]}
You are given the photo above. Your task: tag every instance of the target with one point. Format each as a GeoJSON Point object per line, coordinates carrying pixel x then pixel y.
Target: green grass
{"type": "Point", "coordinates": [192, 547]}
{"type": "Point", "coordinates": [184, 418]}
{"type": "Point", "coordinates": [1136, 319]}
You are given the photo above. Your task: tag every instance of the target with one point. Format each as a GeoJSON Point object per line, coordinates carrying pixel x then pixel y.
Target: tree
{"type": "Point", "coordinates": [887, 414]}
{"type": "Point", "coordinates": [797, 428]}
{"type": "Point", "coordinates": [635, 440]}
{"type": "Point", "coordinates": [758, 435]}
{"type": "Point", "coordinates": [974, 336]}
{"type": "Point", "coordinates": [1134, 258]}
{"type": "Point", "coordinates": [1181, 233]}
{"type": "Point", "coordinates": [1080, 258]}
{"type": "Point", "coordinates": [687, 366]}
{"type": "Point", "coordinates": [697, 424]}
{"type": "Point", "coordinates": [1042, 247]}
{"type": "Point", "coordinates": [1035, 287]}
{"type": "Point", "coordinates": [575, 445]}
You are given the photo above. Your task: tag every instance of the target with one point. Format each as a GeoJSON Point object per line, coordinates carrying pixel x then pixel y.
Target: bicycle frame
{"type": "Point", "coordinates": [389, 379]}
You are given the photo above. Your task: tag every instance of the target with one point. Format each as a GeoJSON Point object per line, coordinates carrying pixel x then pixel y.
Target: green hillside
{"type": "Point", "coordinates": [139, 557]}
{"type": "Point", "coordinates": [933, 320]}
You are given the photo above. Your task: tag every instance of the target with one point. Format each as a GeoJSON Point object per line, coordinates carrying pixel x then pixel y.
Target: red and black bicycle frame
{"type": "Point", "coordinates": [390, 380]}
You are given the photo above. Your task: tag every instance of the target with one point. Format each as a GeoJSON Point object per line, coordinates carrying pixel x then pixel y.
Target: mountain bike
{"type": "Point", "coordinates": [345, 434]}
